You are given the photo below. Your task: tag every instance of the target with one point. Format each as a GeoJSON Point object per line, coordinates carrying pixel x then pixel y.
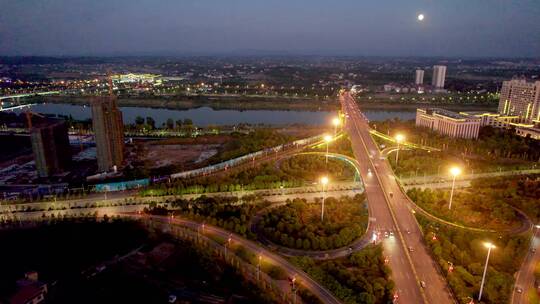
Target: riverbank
{"type": "Point", "coordinates": [216, 103]}
{"type": "Point", "coordinates": [414, 106]}
{"type": "Point", "coordinates": [258, 103]}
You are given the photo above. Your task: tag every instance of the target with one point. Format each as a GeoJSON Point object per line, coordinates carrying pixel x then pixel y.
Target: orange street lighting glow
{"type": "Point", "coordinates": [400, 137]}
{"type": "Point", "coordinates": [455, 171]}
{"type": "Point", "coordinates": [324, 180]}
{"type": "Point", "coordinates": [489, 245]}
{"type": "Point", "coordinates": [335, 121]}
{"type": "Point", "coordinates": [327, 138]}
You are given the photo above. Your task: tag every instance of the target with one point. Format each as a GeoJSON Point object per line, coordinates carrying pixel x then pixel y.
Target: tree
{"type": "Point", "coordinates": [306, 244]}
{"type": "Point", "coordinates": [170, 124]}
{"type": "Point", "coordinates": [139, 120]}
{"type": "Point", "coordinates": [188, 122]}
{"type": "Point", "coordinates": [150, 122]}
{"type": "Point", "coordinates": [179, 124]}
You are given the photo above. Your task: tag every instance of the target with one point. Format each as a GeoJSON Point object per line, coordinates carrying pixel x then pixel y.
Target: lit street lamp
{"type": "Point", "coordinates": [324, 182]}
{"type": "Point", "coordinates": [399, 139]}
{"type": "Point", "coordinates": [455, 171]}
{"type": "Point", "coordinates": [259, 267]}
{"type": "Point", "coordinates": [336, 123]}
{"type": "Point", "coordinates": [327, 139]}
{"type": "Point", "coordinates": [489, 246]}
{"type": "Point", "coordinates": [228, 244]}
{"type": "Point", "coordinates": [535, 229]}
{"type": "Point", "coordinates": [293, 288]}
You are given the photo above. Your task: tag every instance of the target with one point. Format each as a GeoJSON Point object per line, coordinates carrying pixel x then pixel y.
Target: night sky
{"type": "Point", "coordinates": [477, 28]}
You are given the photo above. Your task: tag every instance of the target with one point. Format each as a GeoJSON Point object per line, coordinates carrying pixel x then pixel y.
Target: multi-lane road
{"type": "Point", "coordinates": [269, 257]}
{"type": "Point", "coordinates": [525, 278]}
{"type": "Point", "coordinates": [415, 273]}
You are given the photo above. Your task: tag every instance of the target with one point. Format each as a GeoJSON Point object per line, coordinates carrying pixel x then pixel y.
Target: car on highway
{"type": "Point", "coordinates": [391, 194]}
{"type": "Point", "coordinates": [411, 249]}
{"type": "Point", "coordinates": [423, 284]}
{"type": "Point", "coordinates": [519, 290]}
{"type": "Point", "coordinates": [386, 234]}
{"type": "Point", "coordinates": [392, 233]}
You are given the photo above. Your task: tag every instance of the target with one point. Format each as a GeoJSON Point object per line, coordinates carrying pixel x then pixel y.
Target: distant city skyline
{"type": "Point", "coordinates": [482, 28]}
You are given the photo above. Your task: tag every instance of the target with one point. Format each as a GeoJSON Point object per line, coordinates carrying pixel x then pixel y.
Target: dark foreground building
{"type": "Point", "coordinates": [50, 144]}
{"type": "Point", "coordinates": [109, 133]}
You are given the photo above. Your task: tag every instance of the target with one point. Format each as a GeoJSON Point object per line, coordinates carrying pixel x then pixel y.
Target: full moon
{"type": "Point", "coordinates": [420, 17]}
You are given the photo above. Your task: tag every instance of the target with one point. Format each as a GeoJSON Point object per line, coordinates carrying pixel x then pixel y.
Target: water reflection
{"type": "Point", "coordinates": [207, 116]}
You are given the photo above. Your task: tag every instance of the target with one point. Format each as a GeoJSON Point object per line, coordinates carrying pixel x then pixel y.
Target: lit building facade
{"type": "Point", "coordinates": [495, 120]}
{"type": "Point", "coordinates": [533, 133]}
{"type": "Point", "coordinates": [109, 132]}
{"type": "Point", "coordinates": [50, 144]}
{"type": "Point", "coordinates": [439, 76]}
{"type": "Point", "coordinates": [419, 77]}
{"type": "Point", "coordinates": [522, 99]}
{"type": "Point", "coordinates": [130, 78]}
{"type": "Point", "coordinates": [448, 123]}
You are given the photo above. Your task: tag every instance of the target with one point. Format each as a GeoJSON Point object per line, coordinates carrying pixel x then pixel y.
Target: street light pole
{"type": "Point", "coordinates": [397, 154]}
{"type": "Point", "coordinates": [455, 172]}
{"type": "Point", "coordinates": [399, 138]}
{"type": "Point", "coordinates": [259, 268]}
{"type": "Point", "coordinates": [327, 139]}
{"type": "Point", "coordinates": [489, 246]}
{"type": "Point", "coordinates": [293, 287]}
{"type": "Point", "coordinates": [535, 229]}
{"type": "Point", "coordinates": [324, 181]}
{"type": "Point", "coordinates": [227, 245]}
{"type": "Point", "coordinates": [336, 123]}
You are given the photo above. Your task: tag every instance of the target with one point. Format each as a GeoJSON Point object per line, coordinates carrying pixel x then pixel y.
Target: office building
{"type": "Point", "coordinates": [419, 77]}
{"type": "Point", "coordinates": [109, 133]}
{"type": "Point", "coordinates": [448, 123]}
{"type": "Point", "coordinates": [497, 120]}
{"type": "Point", "coordinates": [491, 119]}
{"type": "Point", "coordinates": [520, 98]}
{"type": "Point", "coordinates": [530, 132]}
{"type": "Point", "coordinates": [134, 78]}
{"type": "Point", "coordinates": [439, 74]}
{"type": "Point", "coordinates": [50, 144]}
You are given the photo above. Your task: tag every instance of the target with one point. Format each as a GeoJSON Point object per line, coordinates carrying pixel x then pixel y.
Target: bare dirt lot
{"type": "Point", "coordinates": [174, 154]}
{"type": "Point", "coordinates": [166, 155]}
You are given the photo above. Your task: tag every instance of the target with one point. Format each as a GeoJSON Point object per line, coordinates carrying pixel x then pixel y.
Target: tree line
{"type": "Point", "coordinates": [298, 224]}
{"type": "Point", "coordinates": [363, 277]}
{"type": "Point", "coordinates": [462, 253]}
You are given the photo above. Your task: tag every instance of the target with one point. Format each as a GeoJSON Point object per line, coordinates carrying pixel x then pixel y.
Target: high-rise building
{"type": "Point", "coordinates": [50, 144]}
{"type": "Point", "coordinates": [419, 77]}
{"type": "Point", "coordinates": [109, 133]}
{"type": "Point", "coordinates": [521, 98]}
{"type": "Point", "coordinates": [439, 74]}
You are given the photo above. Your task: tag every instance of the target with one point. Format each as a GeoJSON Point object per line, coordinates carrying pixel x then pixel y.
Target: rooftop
{"type": "Point", "coordinates": [444, 112]}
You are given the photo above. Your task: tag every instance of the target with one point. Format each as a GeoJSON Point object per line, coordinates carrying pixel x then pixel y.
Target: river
{"type": "Point", "coordinates": [205, 116]}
